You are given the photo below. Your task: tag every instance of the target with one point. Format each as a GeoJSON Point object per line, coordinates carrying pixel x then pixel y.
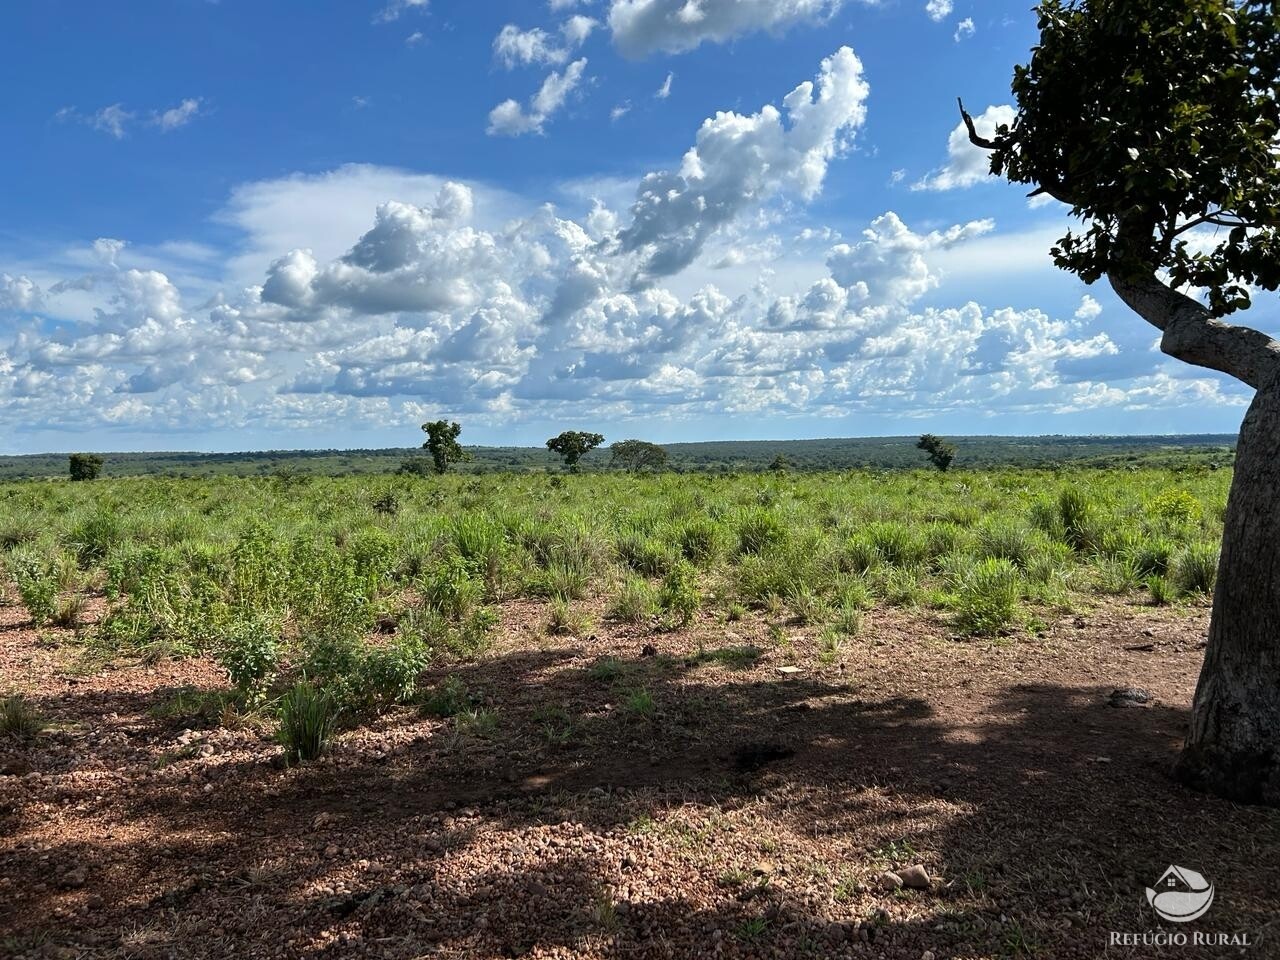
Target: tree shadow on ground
{"type": "Point", "coordinates": [768, 807]}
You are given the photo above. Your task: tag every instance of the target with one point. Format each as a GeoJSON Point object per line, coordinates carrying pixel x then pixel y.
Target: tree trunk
{"type": "Point", "coordinates": [1233, 747]}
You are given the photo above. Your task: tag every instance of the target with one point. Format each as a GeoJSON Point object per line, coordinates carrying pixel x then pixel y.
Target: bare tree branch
{"type": "Point", "coordinates": [974, 137]}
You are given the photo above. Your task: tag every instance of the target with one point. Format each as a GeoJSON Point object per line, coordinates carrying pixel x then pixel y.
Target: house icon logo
{"type": "Point", "coordinates": [1181, 895]}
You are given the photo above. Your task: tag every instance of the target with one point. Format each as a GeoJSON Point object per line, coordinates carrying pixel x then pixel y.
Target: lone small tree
{"type": "Point", "coordinates": [1156, 122]}
{"type": "Point", "coordinates": [573, 445]}
{"type": "Point", "coordinates": [940, 452]}
{"type": "Point", "coordinates": [442, 444]}
{"type": "Point", "coordinates": [85, 466]}
{"type": "Point", "coordinates": [637, 455]}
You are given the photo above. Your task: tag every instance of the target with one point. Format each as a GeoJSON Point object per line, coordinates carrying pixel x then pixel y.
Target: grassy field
{"type": "Point", "coordinates": [834, 714]}
{"type": "Point", "coordinates": [358, 583]}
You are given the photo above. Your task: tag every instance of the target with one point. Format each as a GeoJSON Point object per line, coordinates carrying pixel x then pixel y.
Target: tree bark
{"type": "Point", "coordinates": [1233, 745]}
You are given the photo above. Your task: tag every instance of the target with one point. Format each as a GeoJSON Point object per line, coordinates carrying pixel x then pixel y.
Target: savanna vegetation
{"type": "Point", "coordinates": [716, 456]}
{"type": "Point", "coordinates": [353, 586]}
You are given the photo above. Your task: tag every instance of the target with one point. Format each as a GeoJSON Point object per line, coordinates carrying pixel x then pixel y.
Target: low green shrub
{"type": "Point", "coordinates": [679, 596]}
{"type": "Point", "coordinates": [645, 555]}
{"type": "Point", "coordinates": [37, 586]}
{"type": "Point", "coordinates": [308, 718]}
{"type": "Point", "coordinates": [451, 588]}
{"type": "Point", "coordinates": [19, 720]}
{"type": "Point", "coordinates": [636, 602]}
{"type": "Point", "coordinates": [759, 529]}
{"type": "Point", "coordinates": [1195, 568]}
{"type": "Point", "coordinates": [449, 698]}
{"type": "Point", "coordinates": [388, 675]}
{"type": "Point", "coordinates": [699, 540]}
{"type": "Point", "coordinates": [250, 654]}
{"type": "Point", "coordinates": [1162, 591]}
{"type": "Point", "coordinates": [898, 544]}
{"type": "Point", "coordinates": [987, 600]}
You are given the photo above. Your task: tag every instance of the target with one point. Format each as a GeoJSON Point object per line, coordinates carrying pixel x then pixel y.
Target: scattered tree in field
{"type": "Point", "coordinates": [941, 453]}
{"type": "Point", "coordinates": [637, 455]}
{"type": "Point", "coordinates": [573, 445]}
{"type": "Point", "coordinates": [1156, 122]}
{"type": "Point", "coordinates": [416, 467]}
{"type": "Point", "coordinates": [85, 466]}
{"type": "Point", "coordinates": [781, 463]}
{"type": "Point", "coordinates": [442, 444]}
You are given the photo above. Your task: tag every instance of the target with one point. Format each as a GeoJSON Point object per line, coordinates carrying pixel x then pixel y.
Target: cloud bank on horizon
{"type": "Point", "coordinates": [762, 272]}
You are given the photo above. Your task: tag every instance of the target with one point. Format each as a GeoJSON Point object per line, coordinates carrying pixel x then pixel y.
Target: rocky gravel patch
{"type": "Point", "coordinates": [914, 797]}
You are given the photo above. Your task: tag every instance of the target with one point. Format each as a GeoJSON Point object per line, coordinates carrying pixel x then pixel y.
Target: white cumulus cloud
{"type": "Point", "coordinates": [938, 10]}
{"type": "Point", "coordinates": [511, 119]}
{"type": "Point", "coordinates": [643, 27]}
{"type": "Point", "coordinates": [740, 161]}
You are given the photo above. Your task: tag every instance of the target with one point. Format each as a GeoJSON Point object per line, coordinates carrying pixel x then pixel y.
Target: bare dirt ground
{"type": "Point", "coordinates": [751, 812]}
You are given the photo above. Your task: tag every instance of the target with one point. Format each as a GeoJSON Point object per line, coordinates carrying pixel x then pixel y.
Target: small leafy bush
{"type": "Point", "coordinates": [1176, 505]}
{"type": "Point", "coordinates": [38, 586]}
{"type": "Point", "coordinates": [389, 675]}
{"type": "Point", "coordinates": [448, 699]}
{"type": "Point", "coordinates": [679, 596]}
{"type": "Point", "coordinates": [250, 655]}
{"type": "Point", "coordinates": [450, 589]}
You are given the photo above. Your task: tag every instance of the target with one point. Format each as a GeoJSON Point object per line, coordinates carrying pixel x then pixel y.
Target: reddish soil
{"type": "Point", "coordinates": [752, 813]}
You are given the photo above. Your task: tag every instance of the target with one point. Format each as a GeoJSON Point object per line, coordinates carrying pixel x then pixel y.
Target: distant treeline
{"type": "Point", "coordinates": [723, 456]}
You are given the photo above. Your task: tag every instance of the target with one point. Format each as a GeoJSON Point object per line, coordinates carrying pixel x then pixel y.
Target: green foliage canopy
{"type": "Point", "coordinates": [442, 444]}
{"type": "Point", "coordinates": [85, 466]}
{"type": "Point", "coordinates": [941, 453]}
{"type": "Point", "coordinates": [1150, 119]}
{"type": "Point", "coordinates": [638, 455]}
{"type": "Point", "coordinates": [573, 445]}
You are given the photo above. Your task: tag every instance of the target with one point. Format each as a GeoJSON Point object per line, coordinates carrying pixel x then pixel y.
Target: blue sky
{"type": "Point", "coordinates": [237, 224]}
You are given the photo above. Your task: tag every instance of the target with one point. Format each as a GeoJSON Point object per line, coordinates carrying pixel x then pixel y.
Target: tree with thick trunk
{"type": "Point", "coordinates": [1157, 122]}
